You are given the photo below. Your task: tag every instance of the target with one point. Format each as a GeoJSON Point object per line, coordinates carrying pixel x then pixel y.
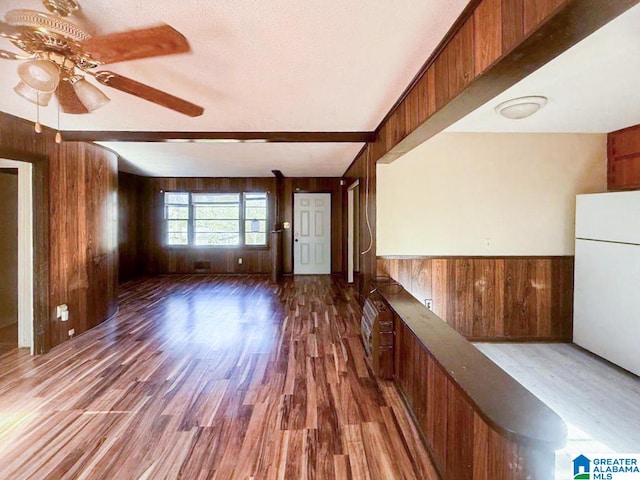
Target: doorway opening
{"type": "Point", "coordinates": [16, 255]}
{"type": "Point", "coordinates": [353, 232]}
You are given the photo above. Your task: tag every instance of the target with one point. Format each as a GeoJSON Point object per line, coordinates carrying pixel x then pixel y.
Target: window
{"type": "Point", "coordinates": [215, 219]}
{"type": "Point", "coordinates": [176, 214]}
{"type": "Point", "coordinates": [255, 218]}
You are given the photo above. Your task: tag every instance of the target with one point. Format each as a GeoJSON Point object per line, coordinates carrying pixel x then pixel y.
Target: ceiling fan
{"type": "Point", "coordinates": [59, 55]}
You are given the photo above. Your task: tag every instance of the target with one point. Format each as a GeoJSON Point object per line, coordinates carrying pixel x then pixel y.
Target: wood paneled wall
{"type": "Point", "coordinates": [363, 169]}
{"type": "Point", "coordinates": [623, 148]}
{"type": "Point", "coordinates": [130, 232]}
{"type": "Point", "coordinates": [75, 192]}
{"type": "Point", "coordinates": [493, 45]}
{"type": "Point", "coordinates": [493, 298]}
{"type": "Point", "coordinates": [161, 259]}
{"type": "Point", "coordinates": [83, 236]}
{"type": "Point", "coordinates": [462, 443]}
{"type": "Point", "coordinates": [313, 185]}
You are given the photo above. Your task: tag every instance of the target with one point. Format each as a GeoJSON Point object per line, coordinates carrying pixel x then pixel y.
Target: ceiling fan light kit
{"type": "Point", "coordinates": [90, 96]}
{"type": "Point", "coordinates": [32, 95]}
{"type": "Point", "coordinates": [59, 54]}
{"type": "Point", "coordinates": [521, 107]}
{"type": "Point", "coordinates": [41, 75]}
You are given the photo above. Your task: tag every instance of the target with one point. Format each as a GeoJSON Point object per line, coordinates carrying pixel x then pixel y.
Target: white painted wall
{"type": "Point", "coordinates": [488, 194]}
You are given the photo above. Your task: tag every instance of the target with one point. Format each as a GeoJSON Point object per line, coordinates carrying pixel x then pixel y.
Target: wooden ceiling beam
{"type": "Point", "coordinates": [218, 137]}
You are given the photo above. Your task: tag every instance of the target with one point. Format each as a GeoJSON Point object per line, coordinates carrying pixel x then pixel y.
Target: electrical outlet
{"type": "Point", "coordinates": [72, 332]}
{"type": "Point", "coordinates": [428, 303]}
{"type": "Point", "coordinates": [240, 261]}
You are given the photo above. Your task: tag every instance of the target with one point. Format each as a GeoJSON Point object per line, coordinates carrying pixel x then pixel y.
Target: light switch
{"type": "Point", "coordinates": [61, 310]}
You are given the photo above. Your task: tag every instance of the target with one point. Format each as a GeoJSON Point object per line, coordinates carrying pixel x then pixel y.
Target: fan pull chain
{"type": "Point", "coordinates": [37, 127]}
{"type": "Point", "coordinates": [58, 134]}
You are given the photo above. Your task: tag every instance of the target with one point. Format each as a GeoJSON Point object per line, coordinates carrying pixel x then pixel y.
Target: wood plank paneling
{"type": "Point", "coordinates": [487, 34]}
{"type": "Point", "coordinates": [460, 57]}
{"type": "Point", "coordinates": [493, 298]}
{"type": "Point", "coordinates": [75, 245]}
{"type": "Point", "coordinates": [83, 237]}
{"type": "Point", "coordinates": [161, 259]}
{"type": "Point", "coordinates": [441, 77]}
{"type": "Point", "coordinates": [512, 24]}
{"type": "Point", "coordinates": [130, 232]}
{"type": "Point", "coordinates": [459, 434]}
{"type": "Point", "coordinates": [537, 11]}
{"type": "Point", "coordinates": [623, 147]}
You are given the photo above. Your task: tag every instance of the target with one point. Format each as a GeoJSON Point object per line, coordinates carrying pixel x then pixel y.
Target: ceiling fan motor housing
{"type": "Point", "coordinates": [63, 8]}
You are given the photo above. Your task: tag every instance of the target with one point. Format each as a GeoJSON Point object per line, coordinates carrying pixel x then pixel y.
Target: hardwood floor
{"type": "Point", "coordinates": [599, 402]}
{"type": "Point", "coordinates": [202, 377]}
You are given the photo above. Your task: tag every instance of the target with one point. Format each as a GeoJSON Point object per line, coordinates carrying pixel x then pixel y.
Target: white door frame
{"type": "Point", "coordinates": [25, 251]}
{"type": "Point", "coordinates": [351, 225]}
{"type": "Point", "coordinates": [297, 270]}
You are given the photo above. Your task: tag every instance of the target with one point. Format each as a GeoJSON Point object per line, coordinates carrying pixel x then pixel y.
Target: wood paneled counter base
{"type": "Point", "coordinates": [478, 422]}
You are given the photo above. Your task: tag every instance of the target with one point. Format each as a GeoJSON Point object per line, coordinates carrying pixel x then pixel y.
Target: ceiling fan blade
{"type": "Point", "coordinates": [148, 93]}
{"type": "Point", "coordinates": [9, 31]}
{"type": "Point", "coordinates": [6, 55]}
{"type": "Point", "coordinates": [134, 44]}
{"type": "Point", "coordinates": [69, 101]}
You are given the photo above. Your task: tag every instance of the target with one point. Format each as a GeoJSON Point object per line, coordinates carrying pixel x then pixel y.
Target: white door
{"type": "Point", "coordinates": [311, 233]}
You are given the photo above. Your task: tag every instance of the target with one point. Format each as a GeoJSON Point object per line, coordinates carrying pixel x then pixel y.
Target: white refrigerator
{"type": "Point", "coordinates": [607, 277]}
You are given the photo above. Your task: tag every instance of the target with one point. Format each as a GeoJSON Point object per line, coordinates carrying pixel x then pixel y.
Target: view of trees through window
{"type": "Point", "coordinates": [215, 219]}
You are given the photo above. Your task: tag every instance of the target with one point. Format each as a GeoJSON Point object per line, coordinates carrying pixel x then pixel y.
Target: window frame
{"type": "Point", "coordinates": [166, 219]}
{"type": "Point", "coordinates": [243, 221]}
{"type": "Point", "coordinates": [191, 221]}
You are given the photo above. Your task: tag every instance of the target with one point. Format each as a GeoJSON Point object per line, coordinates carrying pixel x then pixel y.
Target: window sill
{"type": "Point", "coordinates": [217, 247]}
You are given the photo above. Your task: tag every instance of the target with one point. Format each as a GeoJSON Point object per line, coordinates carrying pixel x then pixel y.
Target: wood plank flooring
{"type": "Point", "coordinates": [599, 402]}
{"type": "Point", "coordinates": [210, 377]}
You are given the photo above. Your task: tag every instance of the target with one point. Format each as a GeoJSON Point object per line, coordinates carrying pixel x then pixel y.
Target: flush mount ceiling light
{"type": "Point", "coordinates": [522, 107]}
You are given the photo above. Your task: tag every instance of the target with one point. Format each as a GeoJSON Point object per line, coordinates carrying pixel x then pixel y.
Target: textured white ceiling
{"type": "Point", "coordinates": [233, 159]}
{"type": "Point", "coordinates": [277, 65]}
{"type": "Point", "coordinates": [592, 87]}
